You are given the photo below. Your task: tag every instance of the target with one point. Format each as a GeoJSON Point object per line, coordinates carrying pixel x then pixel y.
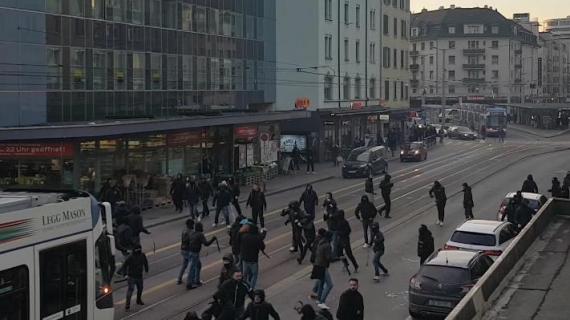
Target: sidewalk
{"type": "Point", "coordinates": [537, 132]}
{"type": "Point", "coordinates": [283, 183]}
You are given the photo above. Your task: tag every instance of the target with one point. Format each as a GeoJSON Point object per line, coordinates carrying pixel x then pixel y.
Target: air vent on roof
{"type": "Point", "coordinates": [452, 6]}
{"type": "Point", "coordinates": [424, 10]}
{"type": "Point", "coordinates": [441, 8]}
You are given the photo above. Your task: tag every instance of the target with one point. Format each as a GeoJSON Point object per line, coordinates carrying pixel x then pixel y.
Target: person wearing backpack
{"type": "Point", "coordinates": [185, 249]}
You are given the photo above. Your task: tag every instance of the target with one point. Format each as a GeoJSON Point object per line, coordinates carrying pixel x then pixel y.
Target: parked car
{"type": "Point", "coordinates": [461, 133]}
{"type": "Point", "coordinates": [443, 280]}
{"type": "Point", "coordinates": [535, 202]}
{"type": "Point", "coordinates": [414, 151]}
{"type": "Point", "coordinates": [490, 237]}
{"type": "Point", "coordinates": [365, 162]}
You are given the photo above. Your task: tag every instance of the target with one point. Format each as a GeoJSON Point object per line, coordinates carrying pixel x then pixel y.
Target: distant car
{"type": "Point", "coordinates": [365, 162]}
{"type": "Point", "coordinates": [416, 151]}
{"type": "Point", "coordinates": [491, 237]}
{"type": "Point", "coordinates": [443, 280]}
{"type": "Point", "coordinates": [461, 133]}
{"type": "Point", "coordinates": [535, 202]}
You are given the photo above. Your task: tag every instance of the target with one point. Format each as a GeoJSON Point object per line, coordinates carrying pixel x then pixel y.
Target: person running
{"type": "Point", "coordinates": [177, 190]}
{"type": "Point", "coordinates": [425, 243]}
{"type": "Point", "coordinates": [221, 201]}
{"type": "Point", "coordinates": [386, 189]}
{"type": "Point", "coordinates": [351, 303]}
{"type": "Point", "coordinates": [133, 268]}
{"type": "Point", "coordinates": [310, 200]}
{"type": "Point", "coordinates": [259, 309]}
{"type": "Point", "coordinates": [193, 197]}
{"type": "Point", "coordinates": [331, 218]}
{"type": "Point", "coordinates": [136, 224]}
{"type": "Point", "coordinates": [196, 240]}
{"type": "Point", "coordinates": [251, 244]}
{"type": "Point", "coordinates": [205, 191]}
{"type": "Point", "coordinates": [468, 203]}
{"type": "Point", "coordinates": [235, 190]}
{"type": "Point", "coordinates": [185, 249]}
{"type": "Point", "coordinates": [529, 185]}
{"type": "Point", "coordinates": [256, 201]}
{"type": "Point", "coordinates": [366, 212]}
{"type": "Point", "coordinates": [125, 238]}
{"type": "Point", "coordinates": [344, 240]}
{"type": "Point", "coordinates": [440, 200]}
{"type": "Point", "coordinates": [293, 213]}
{"type": "Point", "coordinates": [228, 269]}
{"type": "Point", "coordinates": [306, 223]}
{"type": "Point", "coordinates": [369, 188]}
{"type": "Point", "coordinates": [555, 190]}
{"type": "Point", "coordinates": [378, 248]}
{"type": "Point", "coordinates": [234, 238]}
{"type": "Point", "coordinates": [322, 260]}
{"type": "Point", "coordinates": [232, 293]}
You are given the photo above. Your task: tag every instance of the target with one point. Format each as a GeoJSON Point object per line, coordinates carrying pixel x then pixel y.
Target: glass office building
{"type": "Point", "coordinates": [89, 60]}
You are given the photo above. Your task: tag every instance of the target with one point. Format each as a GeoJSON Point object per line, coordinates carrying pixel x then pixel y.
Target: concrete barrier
{"type": "Point", "coordinates": [477, 301]}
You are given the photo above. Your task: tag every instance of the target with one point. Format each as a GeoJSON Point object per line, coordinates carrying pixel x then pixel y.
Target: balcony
{"type": "Point", "coordinates": [414, 67]}
{"type": "Point", "coordinates": [473, 80]}
{"type": "Point", "coordinates": [473, 51]}
{"type": "Point", "coordinates": [414, 83]}
{"type": "Point", "coordinates": [414, 53]}
{"type": "Point", "coordinates": [473, 66]}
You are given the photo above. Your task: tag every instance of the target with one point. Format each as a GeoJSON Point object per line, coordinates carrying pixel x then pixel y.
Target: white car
{"type": "Point", "coordinates": [491, 237]}
{"type": "Point", "coordinates": [535, 202]}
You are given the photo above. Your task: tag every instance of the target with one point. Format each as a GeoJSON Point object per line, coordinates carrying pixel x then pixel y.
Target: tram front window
{"type": "Point", "coordinates": [14, 294]}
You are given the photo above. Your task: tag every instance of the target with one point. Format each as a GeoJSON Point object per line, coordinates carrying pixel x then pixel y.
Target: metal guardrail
{"type": "Point", "coordinates": [478, 300]}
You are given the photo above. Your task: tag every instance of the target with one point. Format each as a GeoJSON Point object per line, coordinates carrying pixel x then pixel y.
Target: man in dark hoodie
{"type": "Point", "coordinates": [523, 214]}
{"type": "Point", "coordinates": [344, 231]}
{"type": "Point", "coordinates": [310, 200]}
{"type": "Point", "coordinates": [185, 249]}
{"type": "Point", "coordinates": [205, 191]}
{"type": "Point", "coordinates": [440, 200]}
{"type": "Point", "coordinates": [136, 224]}
{"type": "Point", "coordinates": [378, 248]}
{"type": "Point", "coordinates": [529, 185]}
{"type": "Point", "coordinates": [351, 303]}
{"type": "Point", "coordinates": [177, 191]}
{"type": "Point", "coordinates": [233, 292]}
{"type": "Point", "coordinates": [331, 218]}
{"type": "Point", "coordinates": [366, 212]}
{"type": "Point", "coordinates": [322, 260]}
{"type": "Point", "coordinates": [468, 203]}
{"type": "Point", "coordinates": [196, 240]}
{"type": "Point", "coordinates": [425, 243]}
{"type": "Point", "coordinates": [306, 223]}
{"type": "Point", "coordinates": [125, 240]}
{"type": "Point", "coordinates": [293, 214]}
{"type": "Point", "coordinates": [133, 268]}
{"type": "Point", "coordinates": [256, 201]}
{"type": "Point", "coordinates": [192, 196]}
{"type": "Point", "coordinates": [234, 238]}
{"type": "Point", "coordinates": [386, 189]}
{"type": "Point", "coordinates": [555, 190]}
{"type": "Point", "coordinates": [221, 201]}
{"type": "Point", "coordinates": [251, 244]}
{"type": "Point", "coordinates": [234, 185]}
{"type": "Point", "coordinates": [259, 309]}
{"type": "Point", "coordinates": [228, 269]}
{"type": "Point", "coordinates": [369, 188]}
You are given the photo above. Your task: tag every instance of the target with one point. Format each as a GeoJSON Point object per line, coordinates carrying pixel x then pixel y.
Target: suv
{"type": "Point", "coordinates": [491, 237]}
{"type": "Point", "coordinates": [365, 162]}
{"type": "Point", "coordinates": [535, 202]}
{"type": "Point", "coordinates": [443, 280]}
{"type": "Point", "coordinates": [414, 151]}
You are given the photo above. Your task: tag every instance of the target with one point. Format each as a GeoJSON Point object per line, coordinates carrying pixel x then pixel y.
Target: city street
{"type": "Point", "coordinates": [492, 168]}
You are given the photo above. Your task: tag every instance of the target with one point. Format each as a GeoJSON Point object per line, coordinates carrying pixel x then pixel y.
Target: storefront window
{"type": "Point", "coordinates": [88, 179]}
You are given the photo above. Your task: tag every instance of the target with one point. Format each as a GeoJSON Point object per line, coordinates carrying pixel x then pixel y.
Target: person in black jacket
{"type": "Point", "coordinates": [205, 191]}
{"type": "Point", "coordinates": [369, 188]}
{"type": "Point", "coordinates": [468, 203]}
{"type": "Point", "coordinates": [196, 241]}
{"type": "Point", "coordinates": [305, 222]}
{"type": "Point", "coordinates": [256, 201]}
{"type": "Point", "coordinates": [378, 248]}
{"type": "Point", "coordinates": [310, 200]}
{"type": "Point", "coordinates": [331, 217]}
{"type": "Point", "coordinates": [386, 190]}
{"type": "Point", "coordinates": [185, 249]}
{"type": "Point", "coordinates": [221, 201]}
{"type": "Point", "coordinates": [366, 212]}
{"type": "Point", "coordinates": [125, 240]}
{"type": "Point", "coordinates": [555, 190]}
{"type": "Point", "coordinates": [529, 185]}
{"type": "Point", "coordinates": [136, 224]}
{"type": "Point", "coordinates": [133, 269]}
{"type": "Point", "coordinates": [425, 243]}
{"type": "Point", "coordinates": [232, 293]}
{"type": "Point", "coordinates": [510, 209]}
{"type": "Point", "coordinates": [293, 213]}
{"type": "Point", "coordinates": [344, 240]}
{"type": "Point", "coordinates": [177, 191]}
{"type": "Point", "coordinates": [310, 161]}
{"type": "Point", "coordinates": [228, 269]}
{"type": "Point", "coordinates": [251, 244]}
{"type": "Point", "coordinates": [351, 303]}
{"type": "Point", "coordinates": [192, 196]}
{"type": "Point", "coordinates": [234, 185]}
{"type": "Point", "coordinates": [523, 214]}
{"type": "Point", "coordinates": [259, 309]}
{"type": "Point", "coordinates": [234, 238]}
{"type": "Point", "coordinates": [440, 200]}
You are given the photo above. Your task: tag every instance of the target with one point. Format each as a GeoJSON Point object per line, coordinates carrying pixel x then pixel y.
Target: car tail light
{"type": "Point", "coordinates": [466, 288]}
{"type": "Point", "coordinates": [494, 253]}
{"type": "Point", "coordinates": [448, 247]}
{"type": "Point", "coordinates": [415, 283]}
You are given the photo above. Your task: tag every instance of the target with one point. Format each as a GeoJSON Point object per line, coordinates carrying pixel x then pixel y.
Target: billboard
{"type": "Point", "coordinates": [288, 141]}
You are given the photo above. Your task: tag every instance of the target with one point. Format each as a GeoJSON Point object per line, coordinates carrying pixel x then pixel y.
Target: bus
{"type": "Point", "coordinates": [495, 121]}
{"type": "Point", "coordinates": [56, 256]}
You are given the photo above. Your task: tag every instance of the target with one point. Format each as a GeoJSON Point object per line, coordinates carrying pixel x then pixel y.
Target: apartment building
{"type": "Point", "coordinates": [560, 31]}
{"type": "Point", "coordinates": [471, 54]}
{"type": "Point", "coordinates": [395, 52]}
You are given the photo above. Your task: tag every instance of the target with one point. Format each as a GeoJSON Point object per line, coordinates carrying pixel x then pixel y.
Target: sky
{"type": "Point", "coordinates": [543, 9]}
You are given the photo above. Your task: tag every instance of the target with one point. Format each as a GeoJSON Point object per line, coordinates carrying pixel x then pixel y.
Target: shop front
{"type": "Point", "coordinates": [256, 152]}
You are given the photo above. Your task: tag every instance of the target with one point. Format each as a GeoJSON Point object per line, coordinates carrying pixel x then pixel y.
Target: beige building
{"type": "Point", "coordinates": [395, 53]}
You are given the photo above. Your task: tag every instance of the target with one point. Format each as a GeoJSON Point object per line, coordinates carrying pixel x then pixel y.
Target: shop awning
{"type": "Point", "coordinates": [126, 127]}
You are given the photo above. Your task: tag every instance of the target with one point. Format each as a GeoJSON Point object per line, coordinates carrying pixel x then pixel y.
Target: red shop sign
{"type": "Point", "coordinates": [245, 133]}
{"type": "Point", "coordinates": [183, 138]}
{"type": "Point", "coordinates": [37, 150]}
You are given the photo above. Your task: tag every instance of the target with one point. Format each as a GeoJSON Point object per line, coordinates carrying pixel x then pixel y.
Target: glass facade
{"type": "Point", "coordinates": [86, 60]}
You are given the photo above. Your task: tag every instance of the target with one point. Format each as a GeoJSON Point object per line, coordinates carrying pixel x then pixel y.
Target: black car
{"type": "Point", "coordinates": [461, 133]}
{"type": "Point", "coordinates": [365, 162]}
{"type": "Point", "coordinates": [444, 280]}
{"type": "Point", "coordinates": [415, 151]}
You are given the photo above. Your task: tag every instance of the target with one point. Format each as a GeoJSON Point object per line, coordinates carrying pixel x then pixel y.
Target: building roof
{"type": "Point", "coordinates": [452, 258]}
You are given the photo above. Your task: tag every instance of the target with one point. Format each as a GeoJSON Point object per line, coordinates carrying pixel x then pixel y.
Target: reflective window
{"type": "Point", "coordinates": [187, 17]}
{"type": "Point", "coordinates": [98, 8]}
{"type": "Point", "coordinates": [77, 7]}
{"type": "Point", "coordinates": [138, 71]}
{"type": "Point", "coordinates": [156, 71]}
{"type": "Point", "coordinates": [172, 72]}
{"type": "Point", "coordinates": [169, 12]}
{"type": "Point", "coordinates": [119, 9]}
{"type": "Point", "coordinates": [99, 70]}
{"type": "Point", "coordinates": [215, 76]}
{"type": "Point", "coordinates": [202, 72]}
{"type": "Point", "coordinates": [53, 62]}
{"type": "Point", "coordinates": [213, 22]}
{"type": "Point", "coordinates": [78, 68]}
{"type": "Point", "coordinates": [14, 293]}
{"type": "Point", "coordinates": [200, 19]}
{"type": "Point", "coordinates": [187, 69]}
{"type": "Point", "coordinates": [155, 8]}
{"type": "Point", "coordinates": [120, 70]}
{"type": "Point", "coordinates": [53, 6]}
{"type": "Point", "coordinates": [137, 11]}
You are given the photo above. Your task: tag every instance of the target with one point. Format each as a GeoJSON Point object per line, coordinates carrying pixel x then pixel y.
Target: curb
{"type": "Point", "coordinates": [540, 135]}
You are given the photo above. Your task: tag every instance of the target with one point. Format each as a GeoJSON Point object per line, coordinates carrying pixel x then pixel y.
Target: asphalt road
{"type": "Point", "coordinates": [492, 168]}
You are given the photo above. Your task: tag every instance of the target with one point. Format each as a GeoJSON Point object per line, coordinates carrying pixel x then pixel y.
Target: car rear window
{"type": "Point", "coordinates": [445, 275]}
{"type": "Point", "coordinates": [473, 238]}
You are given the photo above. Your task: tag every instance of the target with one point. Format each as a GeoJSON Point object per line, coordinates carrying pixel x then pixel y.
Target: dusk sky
{"type": "Point", "coordinates": [544, 9]}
